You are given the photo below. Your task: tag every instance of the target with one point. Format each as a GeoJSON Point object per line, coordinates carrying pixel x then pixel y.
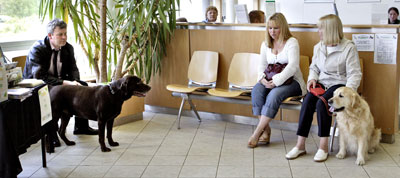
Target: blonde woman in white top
{"type": "Point", "coordinates": [335, 63]}
{"type": "Point", "coordinates": [267, 95]}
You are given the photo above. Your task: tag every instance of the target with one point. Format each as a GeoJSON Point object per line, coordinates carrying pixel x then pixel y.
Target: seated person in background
{"type": "Point", "coordinates": [335, 63]}
{"type": "Point", "coordinates": [211, 14]}
{"type": "Point", "coordinates": [393, 15]}
{"type": "Point", "coordinates": [257, 16]}
{"type": "Point", "coordinates": [52, 60]}
{"type": "Point", "coordinates": [267, 95]}
{"type": "Point", "coordinates": [181, 19]}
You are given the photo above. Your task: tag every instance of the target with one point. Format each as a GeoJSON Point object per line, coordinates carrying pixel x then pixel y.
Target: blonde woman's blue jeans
{"type": "Point", "coordinates": [266, 101]}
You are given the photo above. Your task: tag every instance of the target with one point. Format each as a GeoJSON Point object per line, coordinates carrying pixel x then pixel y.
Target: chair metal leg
{"type": "Point", "coordinates": [180, 112]}
{"type": "Point", "coordinates": [193, 107]}
{"type": "Point", "coordinates": [332, 137]}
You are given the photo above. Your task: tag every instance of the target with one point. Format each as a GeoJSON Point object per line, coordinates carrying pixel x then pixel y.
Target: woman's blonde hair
{"type": "Point", "coordinates": [279, 20]}
{"type": "Point", "coordinates": [332, 29]}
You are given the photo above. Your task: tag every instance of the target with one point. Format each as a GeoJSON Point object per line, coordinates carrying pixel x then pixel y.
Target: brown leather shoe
{"type": "Point", "coordinates": [88, 131]}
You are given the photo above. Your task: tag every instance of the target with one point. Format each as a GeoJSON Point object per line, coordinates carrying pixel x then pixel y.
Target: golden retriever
{"type": "Point", "coordinates": [357, 133]}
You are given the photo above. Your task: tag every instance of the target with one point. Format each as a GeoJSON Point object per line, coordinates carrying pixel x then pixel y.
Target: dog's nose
{"type": "Point", "coordinates": [330, 101]}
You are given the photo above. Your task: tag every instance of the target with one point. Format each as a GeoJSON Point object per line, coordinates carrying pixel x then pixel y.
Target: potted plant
{"type": "Point", "coordinates": [118, 36]}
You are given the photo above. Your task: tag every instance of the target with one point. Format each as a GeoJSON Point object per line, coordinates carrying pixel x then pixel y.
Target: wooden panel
{"type": "Point", "coordinates": [306, 40]}
{"type": "Point", "coordinates": [173, 71]}
{"type": "Point", "coordinates": [132, 106]}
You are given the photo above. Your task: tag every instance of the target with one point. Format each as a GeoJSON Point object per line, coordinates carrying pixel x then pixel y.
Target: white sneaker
{"type": "Point", "coordinates": [295, 153]}
{"type": "Point", "coordinates": [320, 156]}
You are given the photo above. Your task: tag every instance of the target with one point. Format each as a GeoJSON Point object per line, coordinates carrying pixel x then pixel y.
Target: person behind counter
{"type": "Point", "coordinates": [181, 19]}
{"type": "Point", "coordinates": [257, 16]}
{"type": "Point", "coordinates": [280, 47]}
{"type": "Point", "coordinates": [393, 16]}
{"type": "Point", "coordinates": [211, 14]}
{"type": "Point", "coordinates": [335, 63]}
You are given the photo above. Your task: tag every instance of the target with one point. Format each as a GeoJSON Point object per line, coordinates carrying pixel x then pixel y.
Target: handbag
{"type": "Point", "coordinates": [318, 91]}
{"type": "Point", "coordinates": [273, 69]}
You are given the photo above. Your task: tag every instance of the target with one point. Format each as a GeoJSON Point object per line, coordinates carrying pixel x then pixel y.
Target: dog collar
{"type": "Point", "coordinates": [112, 91]}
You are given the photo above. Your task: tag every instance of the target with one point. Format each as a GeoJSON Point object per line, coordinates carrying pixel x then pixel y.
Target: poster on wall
{"type": "Point", "coordinates": [363, 0]}
{"type": "Point", "coordinates": [306, 1]}
{"type": "Point", "coordinates": [385, 48]}
{"type": "Point", "coordinates": [364, 42]}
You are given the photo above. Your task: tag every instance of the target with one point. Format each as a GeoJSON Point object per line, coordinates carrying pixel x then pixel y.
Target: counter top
{"type": "Point", "coordinates": [378, 28]}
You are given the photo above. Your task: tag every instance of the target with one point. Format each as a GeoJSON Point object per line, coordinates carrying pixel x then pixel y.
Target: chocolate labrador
{"type": "Point", "coordinates": [99, 103]}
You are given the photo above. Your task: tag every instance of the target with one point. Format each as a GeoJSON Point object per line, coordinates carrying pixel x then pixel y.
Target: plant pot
{"type": "Point", "coordinates": [132, 110]}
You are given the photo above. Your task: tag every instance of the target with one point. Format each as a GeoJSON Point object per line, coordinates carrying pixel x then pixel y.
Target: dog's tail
{"type": "Point", "coordinates": [375, 139]}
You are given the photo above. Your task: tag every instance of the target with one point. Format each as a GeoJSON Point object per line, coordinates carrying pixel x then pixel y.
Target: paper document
{"type": "Point", "coordinates": [364, 42]}
{"type": "Point", "coordinates": [385, 48]}
{"type": "Point", "coordinates": [241, 13]}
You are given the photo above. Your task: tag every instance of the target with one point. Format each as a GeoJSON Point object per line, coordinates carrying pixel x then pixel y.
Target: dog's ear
{"type": "Point", "coordinates": [118, 84]}
{"type": "Point", "coordinates": [355, 100]}
{"type": "Point", "coordinates": [124, 85]}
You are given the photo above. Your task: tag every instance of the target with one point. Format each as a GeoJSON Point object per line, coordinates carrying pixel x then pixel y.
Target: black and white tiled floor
{"type": "Point", "coordinates": [153, 147]}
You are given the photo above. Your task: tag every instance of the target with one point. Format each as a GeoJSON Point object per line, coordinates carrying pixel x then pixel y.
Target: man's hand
{"type": "Point", "coordinates": [67, 82]}
{"type": "Point", "coordinates": [311, 83]}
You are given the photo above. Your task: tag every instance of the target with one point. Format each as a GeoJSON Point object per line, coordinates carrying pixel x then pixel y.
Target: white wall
{"type": "Point", "coordinates": [296, 11]}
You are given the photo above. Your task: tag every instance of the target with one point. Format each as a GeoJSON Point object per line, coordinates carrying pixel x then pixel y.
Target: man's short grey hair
{"type": "Point", "coordinates": [55, 23]}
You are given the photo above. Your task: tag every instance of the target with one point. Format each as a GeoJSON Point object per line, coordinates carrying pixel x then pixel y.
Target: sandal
{"type": "Point", "coordinates": [252, 142]}
{"type": "Point", "coordinates": [265, 136]}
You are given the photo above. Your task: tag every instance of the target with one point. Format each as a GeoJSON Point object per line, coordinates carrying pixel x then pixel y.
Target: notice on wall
{"type": "Point", "coordinates": [270, 8]}
{"type": "Point", "coordinates": [241, 13]}
{"type": "Point", "coordinates": [385, 48]}
{"type": "Point", "coordinates": [364, 42]}
{"type": "Point", "coordinates": [45, 105]}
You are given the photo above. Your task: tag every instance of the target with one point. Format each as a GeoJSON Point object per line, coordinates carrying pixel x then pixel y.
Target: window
{"type": "Point", "coordinates": [19, 20]}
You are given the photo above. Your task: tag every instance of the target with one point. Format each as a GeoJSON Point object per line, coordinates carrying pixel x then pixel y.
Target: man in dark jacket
{"type": "Point", "coordinates": [53, 61]}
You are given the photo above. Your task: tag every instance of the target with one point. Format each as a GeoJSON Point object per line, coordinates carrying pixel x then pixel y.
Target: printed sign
{"type": "Point", "coordinates": [45, 105]}
{"type": "Point", "coordinates": [385, 48]}
{"type": "Point", "coordinates": [364, 42]}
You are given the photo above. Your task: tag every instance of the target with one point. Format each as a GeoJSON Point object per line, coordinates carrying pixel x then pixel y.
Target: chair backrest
{"type": "Point", "coordinates": [305, 66]}
{"type": "Point", "coordinates": [203, 67]}
{"type": "Point", "coordinates": [21, 61]}
{"type": "Point", "coordinates": [243, 70]}
{"type": "Point", "coordinates": [360, 88]}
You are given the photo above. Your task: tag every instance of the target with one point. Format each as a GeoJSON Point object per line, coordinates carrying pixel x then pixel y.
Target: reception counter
{"type": "Point", "coordinates": [380, 81]}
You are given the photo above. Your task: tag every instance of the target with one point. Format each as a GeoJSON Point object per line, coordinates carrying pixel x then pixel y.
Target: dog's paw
{"type": "Point", "coordinates": [114, 143]}
{"type": "Point", "coordinates": [340, 155]}
{"type": "Point", "coordinates": [69, 143]}
{"type": "Point", "coordinates": [360, 161]}
{"type": "Point", "coordinates": [105, 149]}
{"type": "Point", "coordinates": [372, 150]}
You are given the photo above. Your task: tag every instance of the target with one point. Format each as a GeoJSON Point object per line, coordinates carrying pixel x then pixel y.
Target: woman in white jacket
{"type": "Point", "coordinates": [267, 95]}
{"type": "Point", "coordinates": [335, 63]}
